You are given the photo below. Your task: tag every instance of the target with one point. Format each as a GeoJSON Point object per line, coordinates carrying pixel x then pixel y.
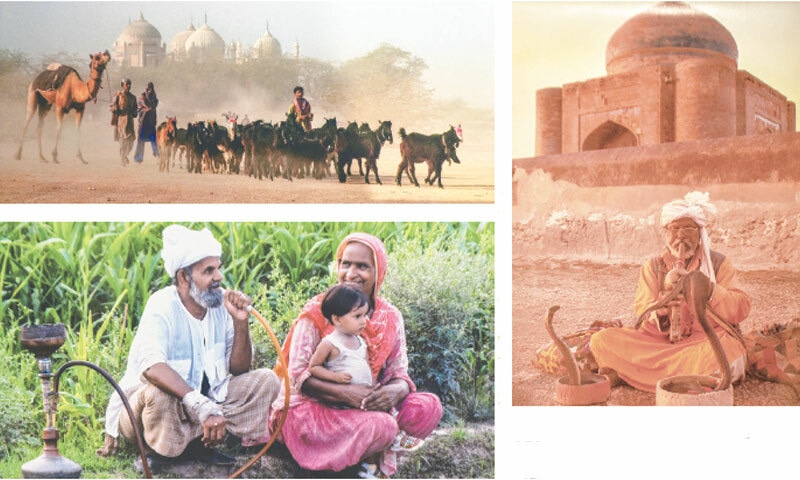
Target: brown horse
{"type": "Point", "coordinates": [61, 86]}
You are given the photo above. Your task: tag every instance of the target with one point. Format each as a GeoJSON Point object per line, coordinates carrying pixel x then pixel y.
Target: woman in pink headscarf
{"type": "Point", "coordinates": [333, 426]}
{"type": "Point", "coordinates": [643, 356]}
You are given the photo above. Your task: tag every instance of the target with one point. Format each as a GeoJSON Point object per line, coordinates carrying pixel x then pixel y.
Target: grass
{"type": "Point", "coordinates": [95, 278]}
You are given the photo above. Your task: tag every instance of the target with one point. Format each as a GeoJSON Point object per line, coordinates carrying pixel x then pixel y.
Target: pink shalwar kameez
{"type": "Point", "coordinates": [323, 437]}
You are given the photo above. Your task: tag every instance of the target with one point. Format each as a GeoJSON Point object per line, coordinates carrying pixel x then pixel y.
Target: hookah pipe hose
{"type": "Point", "coordinates": [286, 390]}
{"type": "Point", "coordinates": [122, 396]}
{"type": "Point", "coordinates": [139, 437]}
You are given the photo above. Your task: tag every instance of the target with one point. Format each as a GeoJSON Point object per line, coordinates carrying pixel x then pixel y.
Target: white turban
{"type": "Point", "coordinates": [696, 206]}
{"type": "Point", "coordinates": [184, 247]}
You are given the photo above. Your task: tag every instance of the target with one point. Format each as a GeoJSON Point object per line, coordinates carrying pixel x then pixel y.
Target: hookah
{"type": "Point", "coordinates": [43, 341]}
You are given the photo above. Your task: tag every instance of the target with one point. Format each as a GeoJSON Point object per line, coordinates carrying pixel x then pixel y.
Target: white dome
{"type": "Point", "coordinates": [205, 43]}
{"type": "Point", "coordinates": [139, 31]}
{"type": "Point", "coordinates": [267, 46]}
{"type": "Point", "coordinates": [178, 44]}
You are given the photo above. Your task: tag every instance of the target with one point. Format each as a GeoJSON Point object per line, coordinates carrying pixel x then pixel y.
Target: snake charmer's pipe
{"type": "Point", "coordinates": [675, 322]}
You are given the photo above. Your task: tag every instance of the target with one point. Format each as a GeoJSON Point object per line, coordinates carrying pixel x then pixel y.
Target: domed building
{"type": "Point", "coordinates": [234, 52]}
{"type": "Point", "coordinates": [205, 44]}
{"type": "Point", "coordinates": [672, 76]}
{"type": "Point", "coordinates": [177, 47]}
{"type": "Point", "coordinates": [139, 45]}
{"type": "Point", "coordinates": [669, 32]}
{"type": "Point", "coordinates": [267, 46]}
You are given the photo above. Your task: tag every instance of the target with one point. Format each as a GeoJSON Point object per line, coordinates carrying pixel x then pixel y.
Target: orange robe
{"type": "Point", "coordinates": [643, 357]}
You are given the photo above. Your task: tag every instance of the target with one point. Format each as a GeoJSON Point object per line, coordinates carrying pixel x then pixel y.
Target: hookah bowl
{"type": "Point", "coordinates": [43, 341]}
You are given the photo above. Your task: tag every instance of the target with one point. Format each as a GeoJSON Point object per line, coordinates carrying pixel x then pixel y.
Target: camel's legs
{"type": "Point", "coordinates": [44, 109]}
{"type": "Point", "coordinates": [59, 124]}
{"type": "Point", "coordinates": [31, 111]}
{"type": "Point", "coordinates": [78, 120]}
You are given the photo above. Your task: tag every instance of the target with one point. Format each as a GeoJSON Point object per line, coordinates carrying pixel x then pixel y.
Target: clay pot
{"type": "Point", "coordinates": [692, 390]}
{"type": "Point", "coordinates": [594, 389]}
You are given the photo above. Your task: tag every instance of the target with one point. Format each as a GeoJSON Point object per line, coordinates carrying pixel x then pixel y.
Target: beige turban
{"type": "Point", "coordinates": [694, 205]}
{"type": "Point", "coordinates": [184, 247]}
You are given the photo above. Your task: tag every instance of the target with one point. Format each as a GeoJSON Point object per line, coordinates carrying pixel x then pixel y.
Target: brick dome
{"type": "Point", "coordinates": [667, 33]}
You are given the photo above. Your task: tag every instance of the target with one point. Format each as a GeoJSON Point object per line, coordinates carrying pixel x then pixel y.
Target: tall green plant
{"type": "Point", "coordinates": [21, 409]}
{"type": "Point", "coordinates": [449, 322]}
{"type": "Point", "coordinates": [88, 275]}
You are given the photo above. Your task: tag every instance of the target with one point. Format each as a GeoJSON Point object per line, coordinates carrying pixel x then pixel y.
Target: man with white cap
{"type": "Point", "coordinates": [188, 377]}
{"type": "Point", "coordinates": [643, 356]}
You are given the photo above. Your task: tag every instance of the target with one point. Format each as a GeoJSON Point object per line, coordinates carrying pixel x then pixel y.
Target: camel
{"type": "Point", "coordinates": [61, 86]}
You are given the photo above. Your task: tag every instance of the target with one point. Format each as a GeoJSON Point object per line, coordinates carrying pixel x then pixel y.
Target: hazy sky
{"type": "Point", "coordinates": [456, 39]}
{"type": "Point", "coordinates": [554, 43]}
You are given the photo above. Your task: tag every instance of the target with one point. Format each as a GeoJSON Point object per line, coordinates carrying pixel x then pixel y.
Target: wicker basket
{"type": "Point", "coordinates": [594, 389]}
{"type": "Point", "coordinates": [692, 390]}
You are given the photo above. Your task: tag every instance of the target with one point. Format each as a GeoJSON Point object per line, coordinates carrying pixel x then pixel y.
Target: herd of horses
{"type": "Point", "coordinates": [261, 149]}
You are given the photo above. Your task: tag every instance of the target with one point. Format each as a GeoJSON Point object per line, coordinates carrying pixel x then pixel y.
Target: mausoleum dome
{"type": "Point", "coordinates": [139, 31]}
{"type": "Point", "coordinates": [205, 44]}
{"type": "Point", "coordinates": [178, 44]}
{"type": "Point", "coordinates": [267, 46]}
{"type": "Point", "coordinates": [667, 33]}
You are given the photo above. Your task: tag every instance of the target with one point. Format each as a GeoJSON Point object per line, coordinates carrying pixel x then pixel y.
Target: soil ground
{"type": "Point", "coordinates": [471, 455]}
{"type": "Point", "coordinates": [105, 181]}
{"type": "Point", "coordinates": [581, 248]}
{"type": "Point", "coordinates": [606, 292]}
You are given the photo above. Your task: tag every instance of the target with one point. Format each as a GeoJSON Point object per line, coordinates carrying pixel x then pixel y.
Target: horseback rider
{"type": "Point", "coordinates": [301, 109]}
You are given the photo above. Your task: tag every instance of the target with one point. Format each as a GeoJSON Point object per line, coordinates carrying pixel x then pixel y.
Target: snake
{"type": "Point", "coordinates": [696, 288]}
{"type": "Point", "coordinates": [572, 365]}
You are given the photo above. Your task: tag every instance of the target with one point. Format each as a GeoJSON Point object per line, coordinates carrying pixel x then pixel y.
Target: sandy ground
{"type": "Point", "coordinates": [581, 249]}
{"type": "Point", "coordinates": [105, 180]}
{"type": "Point", "coordinates": [588, 291]}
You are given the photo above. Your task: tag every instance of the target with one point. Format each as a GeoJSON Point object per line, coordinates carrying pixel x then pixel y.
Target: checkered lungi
{"type": "Point", "coordinates": [168, 429]}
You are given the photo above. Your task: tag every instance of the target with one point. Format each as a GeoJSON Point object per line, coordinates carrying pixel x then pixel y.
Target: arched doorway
{"type": "Point", "coordinates": [610, 135]}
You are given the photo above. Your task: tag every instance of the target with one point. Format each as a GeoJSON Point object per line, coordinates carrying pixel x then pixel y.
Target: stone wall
{"type": "Point", "coordinates": [761, 108]}
{"type": "Point", "coordinates": [756, 158]}
{"type": "Point", "coordinates": [758, 225]}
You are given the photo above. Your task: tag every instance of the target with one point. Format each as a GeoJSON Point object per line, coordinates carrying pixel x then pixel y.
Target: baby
{"type": "Point", "coordinates": [341, 356]}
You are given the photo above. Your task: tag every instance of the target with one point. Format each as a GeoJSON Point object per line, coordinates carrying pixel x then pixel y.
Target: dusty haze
{"type": "Point", "coordinates": [104, 180]}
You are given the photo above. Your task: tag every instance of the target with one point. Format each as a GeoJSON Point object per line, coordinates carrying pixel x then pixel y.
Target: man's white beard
{"type": "Point", "coordinates": [210, 298]}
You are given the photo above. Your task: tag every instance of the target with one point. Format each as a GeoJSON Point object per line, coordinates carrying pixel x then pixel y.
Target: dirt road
{"type": "Point", "coordinates": [105, 181]}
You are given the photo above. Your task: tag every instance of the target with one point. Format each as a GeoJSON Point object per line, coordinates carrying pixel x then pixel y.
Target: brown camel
{"type": "Point", "coordinates": [61, 86]}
